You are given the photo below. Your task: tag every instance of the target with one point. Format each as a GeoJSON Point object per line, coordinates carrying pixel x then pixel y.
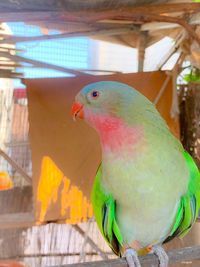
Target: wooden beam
{"type": "Point", "coordinates": [133, 14]}
{"type": "Point", "coordinates": [182, 36]}
{"type": "Point", "coordinates": [166, 8]}
{"type": "Point", "coordinates": [12, 65]}
{"type": "Point", "coordinates": [155, 26]}
{"type": "Point", "coordinates": [38, 16]}
{"type": "Point", "coordinates": [184, 7]}
{"type": "Point", "coordinates": [98, 32]}
{"type": "Point", "coordinates": [16, 166]}
{"type": "Point", "coordinates": [16, 15]}
{"type": "Point", "coordinates": [41, 64]}
{"type": "Point", "coordinates": [141, 46]}
{"type": "Point", "coordinates": [62, 14]}
{"type": "Point", "coordinates": [141, 18]}
{"type": "Point", "coordinates": [179, 255]}
{"type": "Point", "coordinates": [193, 20]}
{"type": "Point", "coordinates": [23, 5]}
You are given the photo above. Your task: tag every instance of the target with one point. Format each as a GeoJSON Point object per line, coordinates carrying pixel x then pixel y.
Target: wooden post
{"type": "Point", "coordinates": [141, 46]}
{"type": "Point", "coordinates": [189, 99]}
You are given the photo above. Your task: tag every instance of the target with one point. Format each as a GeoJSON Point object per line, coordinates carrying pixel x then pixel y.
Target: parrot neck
{"type": "Point", "coordinates": [116, 136]}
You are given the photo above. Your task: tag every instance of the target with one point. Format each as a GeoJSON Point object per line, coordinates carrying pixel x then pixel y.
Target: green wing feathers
{"type": "Point", "coordinates": [104, 211]}
{"type": "Point", "coordinates": [189, 204]}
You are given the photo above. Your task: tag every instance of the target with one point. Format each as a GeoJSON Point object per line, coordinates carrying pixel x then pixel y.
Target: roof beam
{"type": "Point", "coordinates": [10, 39]}
{"type": "Point", "coordinates": [154, 26]}
{"type": "Point", "coordinates": [17, 15]}
{"type": "Point", "coordinates": [166, 8]}
{"type": "Point", "coordinates": [24, 5]}
{"type": "Point", "coordinates": [141, 17]}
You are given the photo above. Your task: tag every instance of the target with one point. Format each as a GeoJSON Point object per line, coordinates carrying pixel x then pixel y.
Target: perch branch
{"type": "Point", "coordinates": [179, 255]}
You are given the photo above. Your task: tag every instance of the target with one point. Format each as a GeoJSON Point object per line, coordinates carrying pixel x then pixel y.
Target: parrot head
{"type": "Point", "coordinates": [114, 110]}
{"type": "Point", "coordinates": [121, 115]}
{"type": "Point", "coordinates": [105, 98]}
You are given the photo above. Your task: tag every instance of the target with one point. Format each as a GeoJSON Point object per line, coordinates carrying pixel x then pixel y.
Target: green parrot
{"type": "Point", "coordinates": [147, 188]}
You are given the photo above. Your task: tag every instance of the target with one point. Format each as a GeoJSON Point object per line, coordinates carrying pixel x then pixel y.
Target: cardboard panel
{"type": "Point", "coordinates": [66, 154]}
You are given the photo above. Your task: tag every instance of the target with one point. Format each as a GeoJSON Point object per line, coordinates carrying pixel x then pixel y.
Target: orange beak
{"type": "Point", "coordinates": [77, 110]}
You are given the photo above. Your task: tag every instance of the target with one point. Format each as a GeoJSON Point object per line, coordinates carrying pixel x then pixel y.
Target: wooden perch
{"type": "Point", "coordinates": [179, 255]}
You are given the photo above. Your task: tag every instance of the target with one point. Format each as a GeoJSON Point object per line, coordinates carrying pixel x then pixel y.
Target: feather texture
{"type": "Point", "coordinates": [147, 189]}
{"type": "Point", "coordinates": [104, 210]}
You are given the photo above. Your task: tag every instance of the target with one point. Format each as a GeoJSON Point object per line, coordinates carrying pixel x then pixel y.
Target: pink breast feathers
{"type": "Point", "coordinates": [115, 135]}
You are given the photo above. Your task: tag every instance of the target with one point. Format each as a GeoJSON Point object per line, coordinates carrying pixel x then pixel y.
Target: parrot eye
{"type": "Point", "coordinates": [95, 94]}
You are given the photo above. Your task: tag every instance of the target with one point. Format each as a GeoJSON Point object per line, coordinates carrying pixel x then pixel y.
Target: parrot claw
{"type": "Point", "coordinates": [132, 258]}
{"type": "Point", "coordinates": [161, 254]}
